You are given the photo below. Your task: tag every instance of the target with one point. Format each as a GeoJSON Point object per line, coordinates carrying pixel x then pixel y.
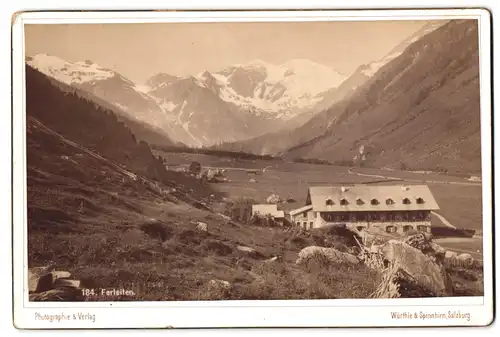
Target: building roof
{"type": "Point", "coordinates": [267, 209]}
{"type": "Point", "coordinates": [300, 210]}
{"type": "Point", "coordinates": [279, 214]}
{"type": "Point", "coordinates": [359, 198]}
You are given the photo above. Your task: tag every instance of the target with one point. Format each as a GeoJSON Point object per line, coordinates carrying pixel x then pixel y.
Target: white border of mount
{"type": "Point", "coordinates": [292, 313]}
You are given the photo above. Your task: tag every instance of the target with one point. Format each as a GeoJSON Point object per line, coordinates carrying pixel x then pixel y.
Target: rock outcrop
{"type": "Point", "coordinates": [218, 289]}
{"type": "Point", "coordinates": [331, 254]}
{"type": "Point", "coordinates": [47, 285]}
{"type": "Point", "coordinates": [202, 227]}
{"type": "Point", "coordinates": [414, 267]}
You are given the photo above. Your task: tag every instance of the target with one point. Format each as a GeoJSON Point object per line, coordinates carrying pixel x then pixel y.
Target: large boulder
{"type": "Point", "coordinates": [417, 268]}
{"type": "Point", "coordinates": [331, 254]}
{"type": "Point", "coordinates": [63, 283]}
{"type": "Point", "coordinates": [40, 279]}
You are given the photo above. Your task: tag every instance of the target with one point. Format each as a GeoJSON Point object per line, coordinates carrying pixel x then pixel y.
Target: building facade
{"type": "Point", "coordinates": [303, 217]}
{"type": "Point", "coordinates": [269, 210]}
{"type": "Point", "coordinates": [389, 208]}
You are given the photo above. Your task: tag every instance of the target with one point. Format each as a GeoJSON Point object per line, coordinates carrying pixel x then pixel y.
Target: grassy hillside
{"type": "Point", "coordinates": [111, 232]}
{"type": "Point", "coordinates": [420, 111]}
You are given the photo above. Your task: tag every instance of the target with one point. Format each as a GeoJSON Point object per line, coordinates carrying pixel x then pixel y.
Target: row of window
{"type": "Point", "coordinates": [415, 216]}
{"type": "Point", "coordinates": [394, 229]}
{"type": "Point", "coordinates": [304, 224]}
{"type": "Point", "coordinates": [388, 229]}
{"type": "Point", "coordinates": [359, 201]}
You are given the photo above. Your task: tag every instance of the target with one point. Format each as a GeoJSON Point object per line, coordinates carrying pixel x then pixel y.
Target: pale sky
{"type": "Point", "coordinates": [139, 51]}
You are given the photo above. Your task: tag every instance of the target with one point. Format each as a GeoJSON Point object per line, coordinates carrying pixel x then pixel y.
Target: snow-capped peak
{"type": "Point", "coordinates": [143, 88]}
{"type": "Point", "coordinates": [46, 61]}
{"type": "Point", "coordinates": [283, 89]}
{"type": "Point", "coordinates": [316, 77]}
{"type": "Point", "coordinates": [68, 72]}
{"type": "Point", "coordinates": [304, 68]}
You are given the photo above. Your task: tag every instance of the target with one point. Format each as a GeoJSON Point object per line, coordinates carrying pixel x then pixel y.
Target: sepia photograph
{"type": "Point", "coordinates": [250, 161]}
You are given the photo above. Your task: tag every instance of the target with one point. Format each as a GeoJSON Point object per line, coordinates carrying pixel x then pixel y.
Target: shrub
{"type": "Point", "coordinates": [337, 236]}
{"type": "Point", "coordinates": [240, 210]}
{"type": "Point", "coordinates": [96, 249]}
{"type": "Point", "coordinates": [216, 247]}
{"type": "Point", "coordinates": [264, 221]}
{"type": "Point", "coordinates": [213, 291]}
{"type": "Point", "coordinates": [299, 242]}
{"type": "Point", "coordinates": [134, 236]}
{"type": "Point", "coordinates": [188, 236]}
{"type": "Point", "coordinates": [195, 168]}
{"type": "Point", "coordinates": [320, 280]}
{"type": "Point", "coordinates": [156, 230]}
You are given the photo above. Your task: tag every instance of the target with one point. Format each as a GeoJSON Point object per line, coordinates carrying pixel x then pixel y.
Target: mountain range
{"type": "Point", "coordinates": [239, 102]}
{"type": "Point", "coordinates": [384, 114]}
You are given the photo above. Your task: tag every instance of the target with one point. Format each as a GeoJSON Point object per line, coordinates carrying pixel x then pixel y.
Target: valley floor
{"type": "Point", "coordinates": [460, 200]}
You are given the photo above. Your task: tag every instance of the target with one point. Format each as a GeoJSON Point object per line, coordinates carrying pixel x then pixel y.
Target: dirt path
{"type": "Point", "coordinates": [350, 171]}
{"type": "Point", "coordinates": [268, 168]}
{"type": "Point", "coordinates": [443, 220]}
